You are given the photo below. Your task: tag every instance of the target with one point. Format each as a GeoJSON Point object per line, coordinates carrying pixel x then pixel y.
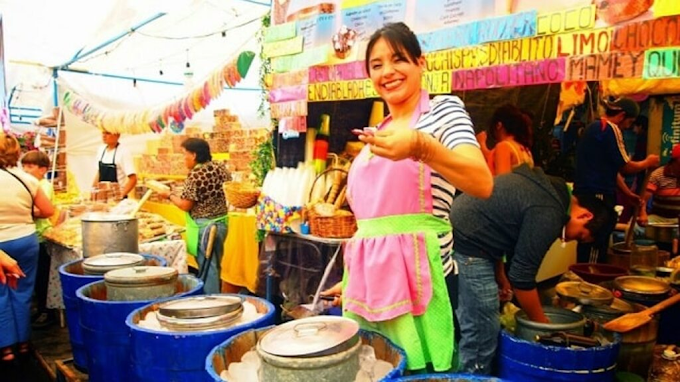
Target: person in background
{"type": "Point", "coordinates": [664, 186]}
{"type": "Point", "coordinates": [399, 275]}
{"type": "Point", "coordinates": [37, 164]}
{"type": "Point", "coordinates": [115, 165]}
{"type": "Point", "coordinates": [21, 200]}
{"type": "Point", "coordinates": [600, 157]}
{"type": "Point", "coordinates": [525, 214]}
{"type": "Point", "coordinates": [205, 205]}
{"type": "Point", "coordinates": [511, 129]}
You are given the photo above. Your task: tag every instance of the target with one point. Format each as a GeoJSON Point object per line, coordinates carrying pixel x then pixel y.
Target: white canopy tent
{"type": "Point", "coordinates": [126, 55]}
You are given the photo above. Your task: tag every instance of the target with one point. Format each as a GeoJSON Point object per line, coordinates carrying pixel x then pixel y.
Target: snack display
{"type": "Point", "coordinates": [151, 227]}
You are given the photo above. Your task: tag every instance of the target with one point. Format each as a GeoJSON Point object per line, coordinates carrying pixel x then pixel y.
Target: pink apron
{"type": "Point", "coordinates": [388, 273]}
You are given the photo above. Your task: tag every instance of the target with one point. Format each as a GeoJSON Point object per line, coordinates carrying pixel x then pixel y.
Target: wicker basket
{"type": "Point", "coordinates": [241, 195]}
{"type": "Point", "coordinates": [339, 226]}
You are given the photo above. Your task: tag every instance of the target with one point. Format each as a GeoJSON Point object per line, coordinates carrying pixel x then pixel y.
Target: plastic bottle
{"type": "Point", "coordinates": [321, 144]}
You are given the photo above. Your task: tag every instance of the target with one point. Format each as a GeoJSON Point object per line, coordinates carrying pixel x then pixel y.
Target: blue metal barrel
{"type": "Point", "coordinates": [235, 347]}
{"type": "Point", "coordinates": [180, 356]}
{"type": "Point", "coordinates": [107, 338]}
{"type": "Point", "coordinates": [73, 277]}
{"type": "Point", "coordinates": [449, 378]}
{"type": "Point", "coordinates": [521, 360]}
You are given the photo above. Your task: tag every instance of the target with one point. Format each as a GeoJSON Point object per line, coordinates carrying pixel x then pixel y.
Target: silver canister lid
{"type": "Point", "coordinates": [584, 293]}
{"type": "Point", "coordinates": [111, 261]}
{"type": "Point", "coordinates": [104, 217]}
{"type": "Point", "coordinates": [141, 275]}
{"type": "Point", "coordinates": [201, 306]}
{"type": "Point", "coordinates": [310, 336]}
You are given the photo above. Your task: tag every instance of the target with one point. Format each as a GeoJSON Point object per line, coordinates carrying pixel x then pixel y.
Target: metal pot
{"type": "Point", "coordinates": [561, 320]}
{"type": "Point", "coordinates": [661, 232]}
{"type": "Point", "coordinates": [606, 313]}
{"type": "Point", "coordinates": [640, 289]}
{"type": "Point", "coordinates": [192, 314]}
{"type": "Point", "coordinates": [324, 348]}
{"type": "Point", "coordinates": [583, 293]}
{"type": "Point", "coordinates": [109, 233]}
{"type": "Point", "coordinates": [140, 283]}
{"type": "Point", "coordinates": [99, 265]}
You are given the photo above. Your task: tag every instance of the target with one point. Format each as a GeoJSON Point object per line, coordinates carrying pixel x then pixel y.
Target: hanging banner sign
{"type": "Point", "coordinates": [283, 47]}
{"type": "Point", "coordinates": [515, 26]}
{"type": "Point", "coordinates": [596, 67]}
{"type": "Point", "coordinates": [494, 53]}
{"type": "Point", "coordinates": [526, 73]}
{"type": "Point", "coordinates": [341, 72]}
{"type": "Point", "coordinates": [666, 8]}
{"type": "Point", "coordinates": [293, 124]}
{"type": "Point", "coordinates": [365, 17]}
{"type": "Point", "coordinates": [288, 109]}
{"type": "Point", "coordinates": [510, 27]}
{"type": "Point", "coordinates": [439, 14]}
{"type": "Point", "coordinates": [309, 57]}
{"type": "Point", "coordinates": [341, 91]}
{"type": "Point", "coordinates": [670, 127]}
{"type": "Point", "coordinates": [584, 42]}
{"type": "Point", "coordinates": [662, 63]}
{"type": "Point", "coordinates": [280, 32]}
{"type": "Point", "coordinates": [316, 30]}
{"type": "Point", "coordinates": [438, 82]}
{"type": "Point", "coordinates": [280, 80]}
{"type": "Point", "coordinates": [571, 20]}
{"type": "Point", "coordinates": [456, 37]}
{"type": "Point", "coordinates": [654, 33]}
{"type": "Point", "coordinates": [291, 93]}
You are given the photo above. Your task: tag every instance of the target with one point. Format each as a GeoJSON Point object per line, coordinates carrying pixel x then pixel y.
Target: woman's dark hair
{"type": "Point", "coordinates": [400, 38]}
{"type": "Point", "coordinates": [199, 147]}
{"type": "Point", "coordinates": [515, 123]}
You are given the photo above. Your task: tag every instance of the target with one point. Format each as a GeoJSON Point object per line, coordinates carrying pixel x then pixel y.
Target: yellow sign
{"type": "Point", "coordinates": [437, 82]}
{"type": "Point", "coordinates": [340, 90]}
{"type": "Point", "coordinates": [595, 41]}
{"type": "Point", "coordinates": [494, 53]}
{"type": "Point", "coordinates": [571, 20]}
{"type": "Point", "coordinates": [666, 8]}
{"type": "Point", "coordinates": [282, 47]}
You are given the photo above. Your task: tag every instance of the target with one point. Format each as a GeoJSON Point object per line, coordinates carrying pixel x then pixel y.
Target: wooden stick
{"type": "Point", "coordinates": [632, 321]}
{"type": "Point", "coordinates": [141, 202]}
{"type": "Point", "coordinates": [211, 241]}
{"type": "Point", "coordinates": [636, 211]}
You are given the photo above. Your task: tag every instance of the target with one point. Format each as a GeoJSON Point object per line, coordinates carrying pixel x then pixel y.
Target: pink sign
{"type": "Point", "coordinates": [525, 73]}
{"type": "Point", "coordinates": [342, 72]}
{"type": "Point", "coordinates": [289, 93]}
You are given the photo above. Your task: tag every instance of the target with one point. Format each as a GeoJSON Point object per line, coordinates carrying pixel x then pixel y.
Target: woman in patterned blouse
{"type": "Point", "coordinates": [205, 205]}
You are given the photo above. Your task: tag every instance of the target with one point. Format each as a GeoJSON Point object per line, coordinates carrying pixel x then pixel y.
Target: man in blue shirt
{"type": "Point", "coordinates": [600, 158]}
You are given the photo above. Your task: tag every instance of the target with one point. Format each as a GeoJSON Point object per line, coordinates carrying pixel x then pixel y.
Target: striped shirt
{"type": "Point", "coordinates": [662, 185]}
{"type": "Point", "coordinates": [451, 125]}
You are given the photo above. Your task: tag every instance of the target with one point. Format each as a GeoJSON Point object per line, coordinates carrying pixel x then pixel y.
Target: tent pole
{"type": "Point", "coordinates": [139, 79]}
{"type": "Point", "coordinates": [78, 56]}
{"type": "Point", "coordinates": [267, 4]}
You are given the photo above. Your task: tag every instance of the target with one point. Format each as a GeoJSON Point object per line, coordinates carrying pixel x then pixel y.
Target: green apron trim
{"type": "Point", "coordinates": [428, 338]}
{"type": "Point", "coordinates": [401, 224]}
{"type": "Point", "coordinates": [193, 232]}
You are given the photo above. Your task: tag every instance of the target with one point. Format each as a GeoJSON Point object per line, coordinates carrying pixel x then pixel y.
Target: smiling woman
{"type": "Point", "coordinates": [419, 155]}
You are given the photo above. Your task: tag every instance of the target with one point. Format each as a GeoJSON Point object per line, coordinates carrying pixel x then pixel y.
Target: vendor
{"type": "Point", "coordinates": [600, 156]}
{"type": "Point", "coordinates": [115, 165]}
{"type": "Point", "coordinates": [663, 184]}
{"type": "Point", "coordinates": [511, 129]}
{"type": "Point", "coordinates": [526, 213]}
{"type": "Point", "coordinates": [205, 205]}
{"type": "Point", "coordinates": [399, 271]}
